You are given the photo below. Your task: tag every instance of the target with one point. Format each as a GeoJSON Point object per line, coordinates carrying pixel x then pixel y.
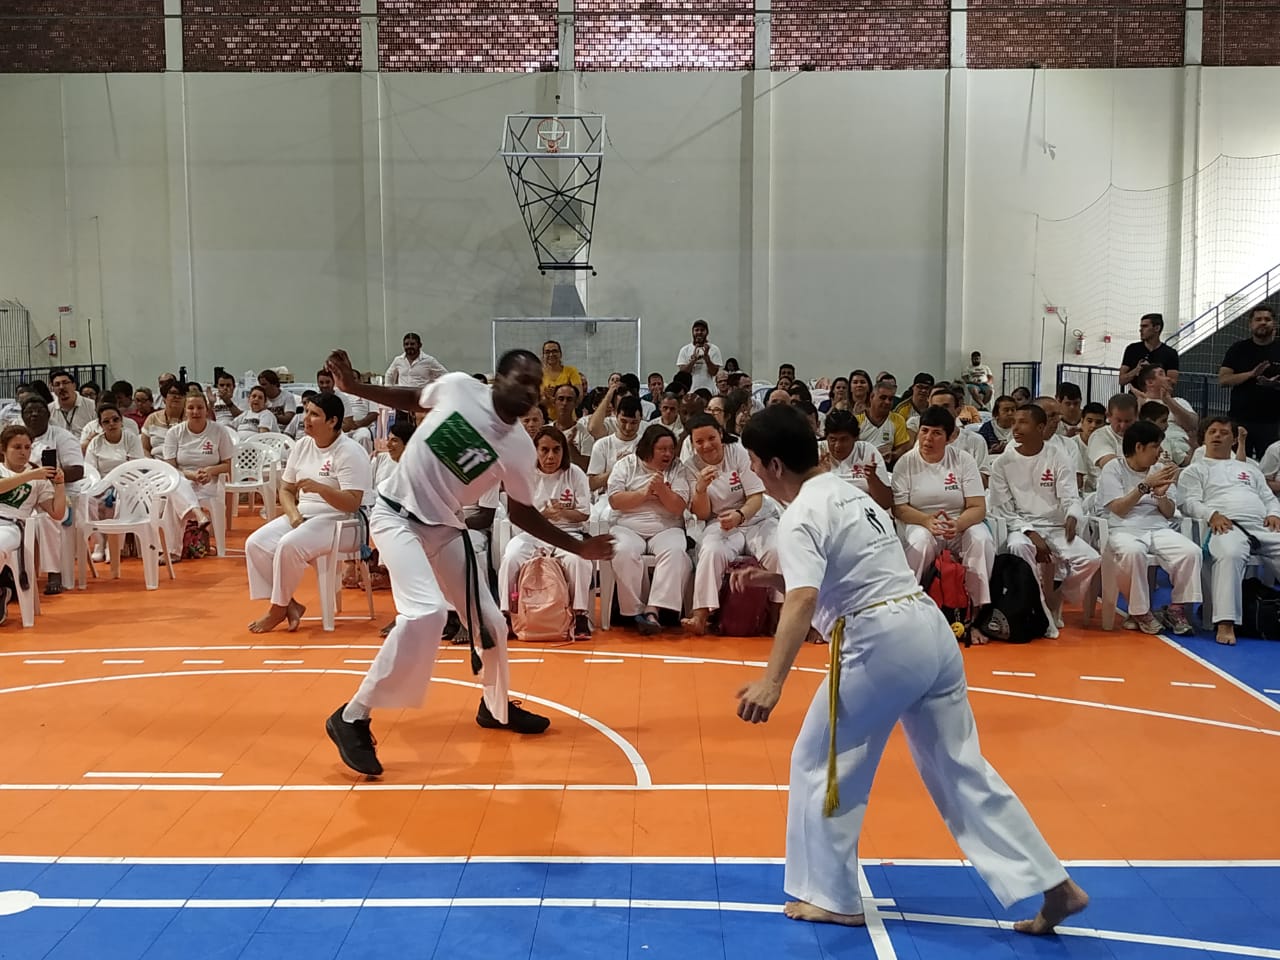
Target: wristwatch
{"type": "Point", "coordinates": [1144, 488]}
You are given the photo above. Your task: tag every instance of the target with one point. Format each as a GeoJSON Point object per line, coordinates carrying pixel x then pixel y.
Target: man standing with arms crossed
{"type": "Point", "coordinates": [470, 441]}
{"type": "Point", "coordinates": [893, 657]}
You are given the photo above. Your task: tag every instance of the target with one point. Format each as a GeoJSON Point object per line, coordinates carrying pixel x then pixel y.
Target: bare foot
{"type": "Point", "coordinates": [977, 637]}
{"type": "Point", "coordinates": [800, 910]}
{"type": "Point", "coordinates": [270, 620]}
{"type": "Point", "coordinates": [294, 614]}
{"type": "Point", "coordinates": [697, 624]}
{"type": "Point", "coordinates": [1065, 900]}
{"type": "Point", "coordinates": [1226, 634]}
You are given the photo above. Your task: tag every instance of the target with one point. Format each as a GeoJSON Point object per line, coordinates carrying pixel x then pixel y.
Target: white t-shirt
{"type": "Point", "coordinates": [383, 467]}
{"type": "Point", "coordinates": [1271, 461]}
{"type": "Point", "coordinates": [1116, 480]}
{"type": "Point", "coordinates": [862, 460]}
{"type": "Point", "coordinates": [357, 408]}
{"type": "Point", "coordinates": [283, 401]}
{"type": "Point", "coordinates": [1034, 493]}
{"type": "Point", "coordinates": [1085, 466]}
{"type": "Point", "coordinates": [104, 456]}
{"type": "Point", "coordinates": [835, 538]}
{"type": "Point", "coordinates": [83, 413]}
{"type": "Point", "coordinates": [20, 502]}
{"type": "Point", "coordinates": [734, 482]}
{"type": "Point", "coordinates": [342, 464]}
{"type": "Point", "coordinates": [579, 435]}
{"type": "Point", "coordinates": [698, 371]}
{"type": "Point", "coordinates": [191, 450]}
{"type": "Point", "coordinates": [934, 487]}
{"type": "Point", "coordinates": [650, 517]}
{"type": "Point", "coordinates": [608, 450]}
{"type": "Point", "coordinates": [971, 442]}
{"type": "Point", "coordinates": [977, 373]}
{"type": "Point", "coordinates": [1105, 442]}
{"type": "Point", "coordinates": [69, 452]}
{"type": "Point", "coordinates": [568, 487]}
{"type": "Point", "coordinates": [1237, 490]}
{"type": "Point", "coordinates": [250, 424]}
{"type": "Point", "coordinates": [677, 428]}
{"type": "Point", "coordinates": [421, 371]}
{"type": "Point", "coordinates": [460, 451]}
{"type": "Point", "coordinates": [94, 429]}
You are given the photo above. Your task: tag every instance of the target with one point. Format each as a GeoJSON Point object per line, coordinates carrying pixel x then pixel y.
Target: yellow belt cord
{"type": "Point", "coordinates": [832, 802]}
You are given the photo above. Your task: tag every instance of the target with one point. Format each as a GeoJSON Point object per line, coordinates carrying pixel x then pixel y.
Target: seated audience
{"type": "Point", "coordinates": [113, 446]}
{"type": "Point", "coordinates": [669, 415]}
{"type": "Point", "coordinates": [255, 420]}
{"type": "Point", "coordinates": [998, 431]}
{"type": "Point", "coordinates": [715, 408]}
{"type": "Point", "coordinates": [854, 461]}
{"type": "Point", "coordinates": [1033, 492]}
{"type": "Point", "coordinates": [534, 420]}
{"type": "Point", "coordinates": [967, 440]}
{"type": "Point", "coordinates": [159, 422]}
{"type": "Point", "coordinates": [224, 400]}
{"type": "Point", "coordinates": [1020, 395]}
{"type": "Point", "coordinates": [738, 408]}
{"type": "Point", "coordinates": [282, 404]}
{"type": "Point", "coordinates": [859, 392]}
{"type": "Point", "coordinates": [1093, 416]}
{"type": "Point", "coordinates": [561, 493]}
{"type": "Point", "coordinates": [882, 428]}
{"type": "Point", "coordinates": [917, 402]}
{"type": "Point", "coordinates": [939, 499]}
{"type": "Point", "coordinates": [143, 405]}
{"type": "Point", "coordinates": [1069, 400]}
{"type": "Point", "coordinates": [201, 450]}
{"type": "Point", "coordinates": [1270, 464]}
{"type": "Point", "coordinates": [70, 410]}
{"type": "Point", "coordinates": [385, 463]}
{"type": "Point", "coordinates": [326, 479]}
{"type": "Point", "coordinates": [24, 487]}
{"type": "Point", "coordinates": [575, 429]}
{"type": "Point", "coordinates": [94, 429]}
{"type": "Point", "coordinates": [649, 492]}
{"type": "Point", "coordinates": [1134, 496]}
{"type": "Point", "coordinates": [1239, 516]}
{"type": "Point", "coordinates": [1107, 442]}
{"type": "Point", "coordinates": [728, 497]}
{"type": "Point", "coordinates": [70, 459]}
{"type": "Point", "coordinates": [608, 450]}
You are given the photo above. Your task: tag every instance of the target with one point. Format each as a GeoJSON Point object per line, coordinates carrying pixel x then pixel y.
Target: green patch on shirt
{"type": "Point", "coordinates": [459, 446]}
{"type": "Point", "coordinates": [16, 497]}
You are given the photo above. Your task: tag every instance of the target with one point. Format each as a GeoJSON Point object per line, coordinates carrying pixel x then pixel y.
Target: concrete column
{"type": "Point", "coordinates": [381, 343]}
{"type": "Point", "coordinates": [173, 36]}
{"type": "Point", "coordinates": [955, 350]}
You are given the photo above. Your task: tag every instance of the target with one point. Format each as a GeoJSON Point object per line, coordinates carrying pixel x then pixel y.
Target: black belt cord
{"type": "Point", "coordinates": [473, 605]}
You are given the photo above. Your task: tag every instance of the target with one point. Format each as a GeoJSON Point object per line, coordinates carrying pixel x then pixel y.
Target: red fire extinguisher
{"type": "Point", "coordinates": [1079, 335]}
{"type": "Point", "coordinates": [53, 345]}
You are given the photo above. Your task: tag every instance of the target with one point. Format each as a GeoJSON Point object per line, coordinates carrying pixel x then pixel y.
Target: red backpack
{"type": "Point", "coordinates": [944, 583]}
{"type": "Point", "coordinates": [743, 613]}
{"type": "Point", "coordinates": [542, 610]}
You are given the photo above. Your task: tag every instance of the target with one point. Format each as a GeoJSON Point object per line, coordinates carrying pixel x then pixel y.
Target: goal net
{"type": "Point", "coordinates": [596, 346]}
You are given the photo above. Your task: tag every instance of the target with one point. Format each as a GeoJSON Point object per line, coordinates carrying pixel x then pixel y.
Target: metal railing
{"type": "Point", "coordinates": [83, 373]}
{"type": "Point", "coordinates": [1024, 374]}
{"type": "Point", "coordinates": [1230, 308]}
{"type": "Point", "coordinates": [1099, 384]}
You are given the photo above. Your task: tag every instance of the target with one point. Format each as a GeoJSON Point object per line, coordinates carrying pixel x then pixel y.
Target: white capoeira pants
{"type": "Point", "coordinates": [1076, 563]}
{"type": "Point", "coordinates": [670, 572]}
{"type": "Point", "coordinates": [1228, 552]}
{"type": "Point", "coordinates": [975, 548]}
{"type": "Point", "coordinates": [901, 662]}
{"type": "Point", "coordinates": [1132, 552]}
{"type": "Point", "coordinates": [427, 564]}
{"type": "Point", "coordinates": [522, 548]}
{"type": "Point", "coordinates": [10, 545]}
{"type": "Point", "coordinates": [278, 554]}
{"type": "Point", "coordinates": [184, 498]}
{"type": "Point", "coordinates": [719, 548]}
{"type": "Point", "coordinates": [48, 534]}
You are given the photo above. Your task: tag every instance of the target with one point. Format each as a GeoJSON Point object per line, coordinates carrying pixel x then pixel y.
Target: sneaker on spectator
{"type": "Point", "coordinates": [1146, 622]}
{"type": "Point", "coordinates": [1177, 621]}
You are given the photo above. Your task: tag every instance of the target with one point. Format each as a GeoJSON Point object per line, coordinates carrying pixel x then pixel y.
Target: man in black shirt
{"type": "Point", "coordinates": [1149, 351]}
{"type": "Point", "coordinates": [1251, 369]}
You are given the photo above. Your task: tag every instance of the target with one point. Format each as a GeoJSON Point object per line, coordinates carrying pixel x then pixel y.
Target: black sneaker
{"type": "Point", "coordinates": [4, 604]}
{"type": "Point", "coordinates": [519, 720]}
{"type": "Point", "coordinates": [355, 743]}
{"type": "Point", "coordinates": [581, 627]}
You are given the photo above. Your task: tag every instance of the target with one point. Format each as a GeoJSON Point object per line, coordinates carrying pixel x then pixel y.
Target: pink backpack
{"type": "Point", "coordinates": [542, 609]}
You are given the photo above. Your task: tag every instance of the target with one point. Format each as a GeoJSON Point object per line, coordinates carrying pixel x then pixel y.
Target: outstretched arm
{"type": "Point", "coordinates": [757, 700]}
{"type": "Point", "coordinates": [527, 518]}
{"type": "Point", "coordinates": [397, 398]}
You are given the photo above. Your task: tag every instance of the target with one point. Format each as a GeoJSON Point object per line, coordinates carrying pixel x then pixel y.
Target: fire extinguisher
{"type": "Point", "coordinates": [53, 344]}
{"type": "Point", "coordinates": [1079, 335]}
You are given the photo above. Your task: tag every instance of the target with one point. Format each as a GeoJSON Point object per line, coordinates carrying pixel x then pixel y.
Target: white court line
{"type": "Point", "coordinates": [1234, 681]}
{"type": "Point", "coordinates": [880, 939]}
{"type": "Point", "coordinates": [43, 661]}
{"type": "Point", "coordinates": [1198, 686]}
{"type": "Point", "coordinates": [106, 775]}
{"type": "Point", "coordinates": [362, 663]}
{"type": "Point", "coordinates": [638, 766]}
{"type": "Point", "coordinates": [1010, 673]}
{"type": "Point", "coordinates": [162, 787]}
{"type": "Point", "coordinates": [276, 663]}
{"type": "Point", "coordinates": [1104, 679]}
{"type": "Point", "coordinates": [119, 662]}
{"type": "Point", "coordinates": [604, 660]}
{"type": "Point", "coordinates": [201, 663]}
{"type": "Point", "coordinates": [524, 660]}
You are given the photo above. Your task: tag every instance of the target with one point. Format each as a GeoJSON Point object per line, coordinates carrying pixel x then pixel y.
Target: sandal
{"type": "Point", "coordinates": [647, 624]}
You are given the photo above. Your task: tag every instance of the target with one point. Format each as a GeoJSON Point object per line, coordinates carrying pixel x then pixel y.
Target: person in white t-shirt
{"type": "Point", "coordinates": [853, 460]}
{"type": "Point", "coordinates": [1134, 497]}
{"type": "Point", "coordinates": [1055, 440]}
{"type": "Point", "coordinates": [1270, 465]}
{"type": "Point", "coordinates": [939, 499]}
{"type": "Point", "coordinates": [201, 449]}
{"type": "Point", "coordinates": [564, 408]}
{"type": "Point", "coordinates": [112, 447]}
{"type": "Point", "coordinates": [1033, 492]}
{"type": "Point", "coordinates": [45, 436]}
{"type": "Point", "coordinates": [962, 439]}
{"type": "Point", "coordinates": [94, 428]}
{"type": "Point", "coordinates": [669, 416]}
{"type": "Point", "coordinates": [729, 499]}
{"type": "Point", "coordinates": [1093, 417]}
{"type": "Point", "coordinates": [469, 442]}
{"type": "Point", "coordinates": [326, 479]}
{"type": "Point", "coordinates": [561, 493]}
{"type": "Point", "coordinates": [1153, 383]}
{"type": "Point", "coordinates": [388, 461]}
{"type": "Point", "coordinates": [608, 450]}
{"type": "Point", "coordinates": [977, 379]}
{"type": "Point", "coordinates": [24, 487]}
{"type": "Point", "coordinates": [1239, 516]}
{"type": "Point", "coordinates": [255, 420]}
{"type": "Point", "coordinates": [1108, 442]}
{"type": "Point", "coordinates": [649, 492]}
{"type": "Point", "coordinates": [701, 359]}
{"type": "Point", "coordinates": [159, 422]}
{"type": "Point", "coordinates": [70, 410]}
{"type": "Point", "coordinates": [893, 658]}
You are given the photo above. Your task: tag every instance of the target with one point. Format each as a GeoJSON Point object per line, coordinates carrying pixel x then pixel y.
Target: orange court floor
{"type": "Point", "coordinates": [152, 724]}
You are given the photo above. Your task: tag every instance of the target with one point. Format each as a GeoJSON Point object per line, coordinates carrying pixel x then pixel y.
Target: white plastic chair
{"type": "Point", "coordinates": [28, 599]}
{"type": "Point", "coordinates": [75, 538]}
{"type": "Point", "coordinates": [280, 444]}
{"type": "Point", "coordinates": [141, 487]}
{"type": "Point", "coordinates": [609, 581]}
{"type": "Point", "coordinates": [255, 468]}
{"type": "Point", "coordinates": [1107, 586]}
{"type": "Point", "coordinates": [1254, 566]}
{"type": "Point", "coordinates": [346, 546]}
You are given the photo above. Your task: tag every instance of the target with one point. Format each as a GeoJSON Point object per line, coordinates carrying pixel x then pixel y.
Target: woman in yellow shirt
{"type": "Point", "coordinates": [556, 374]}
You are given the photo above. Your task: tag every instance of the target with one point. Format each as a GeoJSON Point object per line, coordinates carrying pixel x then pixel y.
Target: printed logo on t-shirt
{"type": "Point", "coordinates": [1046, 478]}
{"type": "Point", "coordinates": [858, 470]}
{"type": "Point", "coordinates": [566, 498]}
{"type": "Point", "coordinates": [17, 496]}
{"type": "Point", "coordinates": [326, 468]}
{"type": "Point", "coordinates": [1244, 477]}
{"type": "Point", "coordinates": [950, 482]}
{"type": "Point", "coordinates": [461, 449]}
{"type": "Point", "coordinates": [735, 481]}
{"type": "Point", "coordinates": [206, 447]}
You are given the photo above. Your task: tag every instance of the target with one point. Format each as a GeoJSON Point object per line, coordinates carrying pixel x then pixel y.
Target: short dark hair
{"type": "Point", "coordinates": [631, 382]}
{"type": "Point", "coordinates": [402, 429]}
{"type": "Point", "coordinates": [1123, 401]}
{"type": "Point", "coordinates": [1095, 408]}
{"type": "Point", "coordinates": [842, 421]}
{"type": "Point", "coordinates": [63, 372]}
{"type": "Point", "coordinates": [105, 407]}
{"type": "Point", "coordinates": [512, 358]}
{"type": "Point", "coordinates": [806, 407]}
{"type": "Point", "coordinates": [270, 376]}
{"type": "Point", "coordinates": [227, 375]}
{"type": "Point", "coordinates": [782, 433]}
{"type": "Point", "coordinates": [1263, 307]}
{"type": "Point", "coordinates": [673, 397]}
{"type": "Point", "coordinates": [1155, 318]}
{"type": "Point", "coordinates": [1145, 376]}
{"type": "Point", "coordinates": [322, 372]}
{"type": "Point", "coordinates": [11, 431]}
{"type": "Point", "coordinates": [701, 420]}
{"type": "Point", "coordinates": [787, 366]}
{"type": "Point", "coordinates": [1004, 398]}
{"type": "Point", "coordinates": [577, 394]}
{"type": "Point", "coordinates": [1207, 422]}
{"type": "Point", "coordinates": [1068, 391]}
{"type": "Point", "coordinates": [1036, 413]}
{"type": "Point", "coordinates": [35, 400]}
{"type": "Point", "coordinates": [147, 391]}
{"type": "Point", "coordinates": [552, 431]}
{"type": "Point", "coordinates": [1141, 431]}
{"type": "Point", "coordinates": [547, 343]}
{"type": "Point", "coordinates": [629, 406]}
{"type": "Point", "coordinates": [412, 335]}
{"type": "Point", "coordinates": [1152, 410]}
{"type": "Point", "coordinates": [330, 405]}
{"type": "Point", "coordinates": [939, 417]}
{"type": "Point", "coordinates": [649, 439]}
{"type": "Point", "coordinates": [700, 323]}
{"type": "Point", "coordinates": [682, 379]}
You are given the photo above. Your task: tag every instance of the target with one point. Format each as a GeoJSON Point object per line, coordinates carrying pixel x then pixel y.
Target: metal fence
{"type": "Point", "coordinates": [1099, 384]}
{"type": "Point", "coordinates": [1025, 374]}
{"type": "Point", "coordinates": [82, 372]}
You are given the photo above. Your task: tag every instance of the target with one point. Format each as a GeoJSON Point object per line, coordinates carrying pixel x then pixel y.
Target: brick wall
{"type": "Point", "coordinates": [860, 35]}
{"type": "Point", "coordinates": [664, 35]}
{"type": "Point", "coordinates": [497, 36]}
{"type": "Point", "coordinates": [1013, 34]}
{"type": "Point", "coordinates": [1241, 33]}
{"type": "Point", "coordinates": [76, 36]}
{"type": "Point", "coordinates": [271, 35]}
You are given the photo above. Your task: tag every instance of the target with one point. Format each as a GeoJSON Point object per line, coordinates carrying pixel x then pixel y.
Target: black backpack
{"type": "Point", "coordinates": [1015, 613]}
{"type": "Point", "coordinates": [1259, 610]}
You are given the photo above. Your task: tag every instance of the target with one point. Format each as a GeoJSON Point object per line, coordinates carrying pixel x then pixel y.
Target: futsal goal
{"type": "Point", "coordinates": [596, 346]}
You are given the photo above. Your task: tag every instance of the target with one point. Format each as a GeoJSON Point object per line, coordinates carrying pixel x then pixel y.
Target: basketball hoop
{"type": "Point", "coordinates": [551, 134]}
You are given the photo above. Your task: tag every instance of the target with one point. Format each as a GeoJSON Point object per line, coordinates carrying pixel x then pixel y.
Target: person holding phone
{"type": "Point", "coordinates": [49, 440]}
{"type": "Point", "coordinates": [1251, 368]}
{"type": "Point", "coordinates": [24, 488]}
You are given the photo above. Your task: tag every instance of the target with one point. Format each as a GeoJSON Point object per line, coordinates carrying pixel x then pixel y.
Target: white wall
{"type": "Point", "coordinates": [260, 219]}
